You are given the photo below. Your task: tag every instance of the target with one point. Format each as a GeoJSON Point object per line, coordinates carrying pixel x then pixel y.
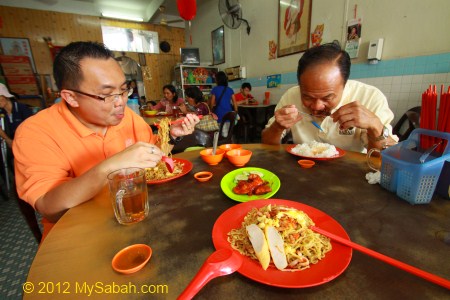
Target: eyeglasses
{"type": "Point", "coordinates": [107, 99]}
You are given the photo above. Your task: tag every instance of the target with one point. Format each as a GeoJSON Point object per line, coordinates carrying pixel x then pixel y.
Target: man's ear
{"type": "Point", "coordinates": [69, 97]}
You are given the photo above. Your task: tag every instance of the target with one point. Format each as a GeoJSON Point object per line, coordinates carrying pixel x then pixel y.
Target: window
{"type": "Point", "coordinates": [130, 40]}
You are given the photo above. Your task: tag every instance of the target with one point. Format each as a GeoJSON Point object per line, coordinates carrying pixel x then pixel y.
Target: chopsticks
{"type": "Point", "coordinates": [396, 263]}
{"type": "Point", "coordinates": [428, 118]}
{"type": "Point", "coordinates": [178, 121]}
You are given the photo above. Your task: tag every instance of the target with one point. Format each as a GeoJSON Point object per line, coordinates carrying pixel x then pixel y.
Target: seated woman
{"type": "Point", "coordinates": [244, 96]}
{"type": "Point", "coordinates": [196, 103]}
{"type": "Point", "coordinates": [169, 101]}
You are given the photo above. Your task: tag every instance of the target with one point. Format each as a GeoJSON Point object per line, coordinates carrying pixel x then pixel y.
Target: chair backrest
{"type": "Point", "coordinates": [226, 135]}
{"type": "Point", "coordinates": [197, 138]}
{"type": "Point", "coordinates": [407, 123]}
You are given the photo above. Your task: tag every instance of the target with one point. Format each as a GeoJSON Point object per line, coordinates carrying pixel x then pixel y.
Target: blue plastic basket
{"type": "Point", "coordinates": [402, 172]}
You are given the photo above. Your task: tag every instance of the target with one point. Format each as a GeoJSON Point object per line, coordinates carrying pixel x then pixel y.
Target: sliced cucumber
{"type": "Point", "coordinates": [257, 173]}
{"type": "Point", "coordinates": [240, 177]}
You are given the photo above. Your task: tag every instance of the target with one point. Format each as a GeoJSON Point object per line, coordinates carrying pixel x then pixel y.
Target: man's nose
{"type": "Point", "coordinates": [317, 105]}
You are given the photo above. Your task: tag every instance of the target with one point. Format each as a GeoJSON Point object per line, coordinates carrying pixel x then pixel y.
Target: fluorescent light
{"type": "Point", "coordinates": [122, 17]}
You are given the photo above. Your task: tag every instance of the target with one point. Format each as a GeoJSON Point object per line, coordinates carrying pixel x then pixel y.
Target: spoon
{"type": "Point", "coordinates": [178, 121]}
{"type": "Point", "coordinates": [312, 121]}
{"type": "Point", "coordinates": [169, 163]}
{"type": "Point", "coordinates": [427, 153]}
{"type": "Point", "coordinates": [220, 263]}
{"type": "Point", "coordinates": [216, 139]}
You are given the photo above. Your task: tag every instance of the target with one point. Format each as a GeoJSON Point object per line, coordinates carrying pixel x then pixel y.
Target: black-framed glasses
{"type": "Point", "coordinates": [107, 99]}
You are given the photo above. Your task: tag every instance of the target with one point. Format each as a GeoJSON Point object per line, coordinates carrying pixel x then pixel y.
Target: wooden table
{"type": "Point", "coordinates": [79, 249]}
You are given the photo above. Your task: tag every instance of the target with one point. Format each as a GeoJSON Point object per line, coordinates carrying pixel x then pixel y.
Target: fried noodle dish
{"type": "Point", "coordinates": [302, 246]}
{"type": "Point", "coordinates": [160, 171]}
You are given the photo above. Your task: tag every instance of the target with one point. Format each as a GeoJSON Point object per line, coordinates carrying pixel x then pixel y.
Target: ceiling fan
{"type": "Point", "coordinates": [231, 14]}
{"type": "Point", "coordinates": [163, 20]}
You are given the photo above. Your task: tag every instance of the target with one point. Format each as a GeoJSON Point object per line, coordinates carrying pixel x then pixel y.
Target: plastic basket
{"type": "Point", "coordinates": [402, 172]}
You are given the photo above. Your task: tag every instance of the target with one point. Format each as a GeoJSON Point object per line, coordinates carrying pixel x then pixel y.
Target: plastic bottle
{"type": "Point", "coordinates": [133, 103]}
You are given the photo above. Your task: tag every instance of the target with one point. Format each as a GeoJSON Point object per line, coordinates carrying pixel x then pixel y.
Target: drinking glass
{"type": "Point", "coordinates": [128, 190]}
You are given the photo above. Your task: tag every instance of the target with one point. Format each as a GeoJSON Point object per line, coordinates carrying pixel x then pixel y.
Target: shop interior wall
{"type": "Point", "coordinates": [416, 49]}
{"type": "Point", "coordinates": [64, 28]}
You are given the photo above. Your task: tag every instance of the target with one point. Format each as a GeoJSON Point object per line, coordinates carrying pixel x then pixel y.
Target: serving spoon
{"type": "Point", "coordinates": [221, 262]}
{"type": "Point", "coordinates": [396, 263]}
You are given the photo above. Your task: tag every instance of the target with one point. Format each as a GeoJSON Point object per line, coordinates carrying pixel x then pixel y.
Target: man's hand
{"type": "Point", "coordinates": [141, 155]}
{"type": "Point", "coordinates": [356, 115]}
{"type": "Point", "coordinates": [287, 116]}
{"type": "Point", "coordinates": [186, 127]}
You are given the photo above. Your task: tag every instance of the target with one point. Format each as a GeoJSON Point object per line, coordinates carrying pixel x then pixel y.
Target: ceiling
{"type": "Point", "coordinates": [148, 10]}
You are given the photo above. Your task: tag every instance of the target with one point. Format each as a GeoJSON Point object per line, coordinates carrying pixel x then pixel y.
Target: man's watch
{"type": "Point", "coordinates": [174, 141]}
{"type": "Point", "coordinates": [384, 135]}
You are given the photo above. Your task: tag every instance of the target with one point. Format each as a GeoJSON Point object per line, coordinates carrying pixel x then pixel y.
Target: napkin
{"type": "Point", "coordinates": [373, 177]}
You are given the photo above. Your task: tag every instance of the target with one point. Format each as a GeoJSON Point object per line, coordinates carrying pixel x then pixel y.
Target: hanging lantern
{"type": "Point", "coordinates": [187, 9]}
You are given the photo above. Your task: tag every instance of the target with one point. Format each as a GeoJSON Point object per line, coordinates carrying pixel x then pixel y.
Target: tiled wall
{"type": "Point", "coordinates": [402, 80]}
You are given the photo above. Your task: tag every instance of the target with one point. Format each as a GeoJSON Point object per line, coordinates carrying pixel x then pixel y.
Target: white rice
{"type": "Point", "coordinates": [315, 149]}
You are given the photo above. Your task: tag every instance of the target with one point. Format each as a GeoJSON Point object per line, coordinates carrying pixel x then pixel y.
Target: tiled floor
{"type": "Point", "coordinates": [17, 250]}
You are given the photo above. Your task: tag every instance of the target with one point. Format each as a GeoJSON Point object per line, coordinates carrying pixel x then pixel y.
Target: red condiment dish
{"type": "Point", "coordinates": [203, 176]}
{"type": "Point", "coordinates": [132, 258]}
{"type": "Point", "coordinates": [306, 163]}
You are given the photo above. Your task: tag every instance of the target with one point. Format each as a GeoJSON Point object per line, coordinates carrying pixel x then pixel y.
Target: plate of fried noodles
{"type": "Point", "coordinates": [327, 259]}
{"type": "Point", "coordinates": [160, 173]}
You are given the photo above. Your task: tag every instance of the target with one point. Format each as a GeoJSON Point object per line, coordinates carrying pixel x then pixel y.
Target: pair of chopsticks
{"type": "Point", "coordinates": [428, 115]}
{"type": "Point", "coordinates": [396, 263]}
{"type": "Point", "coordinates": [178, 121]}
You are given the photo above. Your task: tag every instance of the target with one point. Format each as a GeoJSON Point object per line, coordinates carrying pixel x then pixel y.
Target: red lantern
{"type": "Point", "coordinates": [187, 9]}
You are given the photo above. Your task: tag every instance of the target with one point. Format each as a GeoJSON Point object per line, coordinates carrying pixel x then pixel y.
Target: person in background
{"type": "Point", "coordinates": [169, 101]}
{"type": "Point", "coordinates": [133, 85]}
{"type": "Point", "coordinates": [354, 116]}
{"type": "Point", "coordinates": [13, 114]}
{"type": "Point", "coordinates": [222, 97]}
{"type": "Point", "coordinates": [64, 153]}
{"type": "Point", "coordinates": [244, 95]}
{"type": "Point", "coordinates": [196, 103]}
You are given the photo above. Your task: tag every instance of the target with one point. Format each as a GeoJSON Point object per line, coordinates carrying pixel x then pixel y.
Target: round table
{"type": "Point", "coordinates": [74, 261]}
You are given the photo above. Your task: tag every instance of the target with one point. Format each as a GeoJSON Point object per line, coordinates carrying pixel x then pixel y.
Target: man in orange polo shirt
{"type": "Point", "coordinates": [64, 153]}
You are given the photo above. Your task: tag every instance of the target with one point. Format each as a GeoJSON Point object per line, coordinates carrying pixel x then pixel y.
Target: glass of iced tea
{"type": "Point", "coordinates": [128, 190]}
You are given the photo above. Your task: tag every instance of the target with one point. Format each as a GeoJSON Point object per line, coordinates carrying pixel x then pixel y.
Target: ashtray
{"type": "Point", "coordinates": [132, 258]}
{"type": "Point", "coordinates": [306, 163]}
{"type": "Point", "coordinates": [203, 176]}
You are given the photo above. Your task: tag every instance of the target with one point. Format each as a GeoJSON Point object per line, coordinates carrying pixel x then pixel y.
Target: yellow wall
{"type": "Point", "coordinates": [64, 28]}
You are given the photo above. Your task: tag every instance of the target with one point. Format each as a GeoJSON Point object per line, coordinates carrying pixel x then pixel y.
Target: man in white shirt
{"type": "Point", "coordinates": [353, 116]}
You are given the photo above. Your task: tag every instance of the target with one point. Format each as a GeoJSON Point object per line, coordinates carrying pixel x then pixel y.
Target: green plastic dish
{"type": "Point", "coordinates": [227, 184]}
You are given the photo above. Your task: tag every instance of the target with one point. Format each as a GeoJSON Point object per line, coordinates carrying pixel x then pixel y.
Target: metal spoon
{"type": "Point", "coordinates": [215, 141]}
{"type": "Point", "coordinates": [220, 263]}
{"type": "Point", "coordinates": [427, 153]}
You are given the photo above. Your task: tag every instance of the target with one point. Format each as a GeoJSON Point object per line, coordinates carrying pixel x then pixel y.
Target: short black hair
{"type": "Point", "coordinates": [66, 67]}
{"type": "Point", "coordinates": [246, 85]}
{"type": "Point", "coordinates": [194, 93]}
{"type": "Point", "coordinates": [330, 52]}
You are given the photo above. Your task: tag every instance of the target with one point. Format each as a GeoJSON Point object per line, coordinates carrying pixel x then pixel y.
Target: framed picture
{"type": "Point", "coordinates": [17, 47]}
{"type": "Point", "coordinates": [218, 45]}
{"type": "Point", "coordinates": [294, 21]}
